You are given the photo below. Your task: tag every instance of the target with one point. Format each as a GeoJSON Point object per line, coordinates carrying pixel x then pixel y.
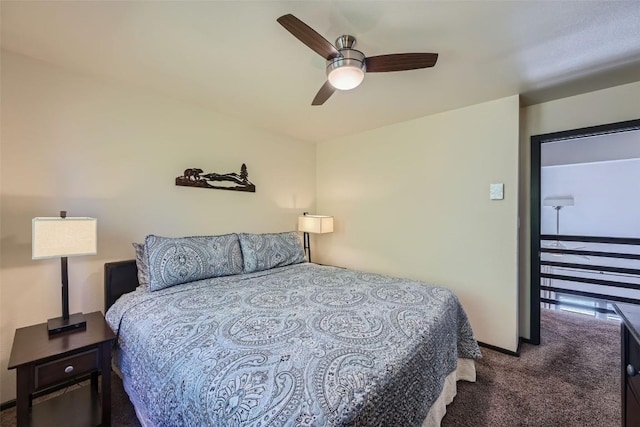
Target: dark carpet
{"type": "Point", "coordinates": [571, 379]}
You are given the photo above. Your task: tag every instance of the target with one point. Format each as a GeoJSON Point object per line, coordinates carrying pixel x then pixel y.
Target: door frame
{"type": "Point", "coordinates": [535, 204]}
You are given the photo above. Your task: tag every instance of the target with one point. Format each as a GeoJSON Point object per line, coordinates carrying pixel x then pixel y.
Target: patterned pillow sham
{"type": "Point", "coordinates": [143, 264]}
{"type": "Point", "coordinates": [173, 261]}
{"type": "Point", "coordinates": [269, 250]}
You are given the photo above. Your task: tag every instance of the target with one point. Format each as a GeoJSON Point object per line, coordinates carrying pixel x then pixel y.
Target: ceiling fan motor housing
{"type": "Point", "coordinates": [349, 65]}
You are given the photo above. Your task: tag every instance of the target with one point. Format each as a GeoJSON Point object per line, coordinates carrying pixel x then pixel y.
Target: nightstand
{"type": "Point", "coordinates": [44, 364]}
{"type": "Point", "coordinates": [630, 353]}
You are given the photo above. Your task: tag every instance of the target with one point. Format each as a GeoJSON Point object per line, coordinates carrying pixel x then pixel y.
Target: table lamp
{"type": "Point", "coordinates": [317, 224]}
{"type": "Point", "coordinates": [64, 237]}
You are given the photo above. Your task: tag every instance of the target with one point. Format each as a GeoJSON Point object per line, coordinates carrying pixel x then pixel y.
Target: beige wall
{"type": "Point", "coordinates": [71, 142]}
{"type": "Point", "coordinates": [412, 200]}
{"type": "Point", "coordinates": [611, 105]}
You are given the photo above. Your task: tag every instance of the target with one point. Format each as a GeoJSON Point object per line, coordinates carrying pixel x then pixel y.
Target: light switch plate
{"type": "Point", "coordinates": [496, 191]}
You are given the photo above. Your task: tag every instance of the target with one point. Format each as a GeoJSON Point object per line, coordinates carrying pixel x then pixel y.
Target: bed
{"type": "Point", "coordinates": [298, 344]}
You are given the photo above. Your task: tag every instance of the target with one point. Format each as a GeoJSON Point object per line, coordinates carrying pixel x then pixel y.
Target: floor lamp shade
{"type": "Point", "coordinates": [558, 201]}
{"type": "Point", "coordinates": [62, 237]}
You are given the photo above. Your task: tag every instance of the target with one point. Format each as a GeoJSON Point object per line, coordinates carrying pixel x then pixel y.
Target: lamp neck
{"type": "Point", "coordinates": [65, 288]}
{"type": "Point", "coordinates": [307, 245]}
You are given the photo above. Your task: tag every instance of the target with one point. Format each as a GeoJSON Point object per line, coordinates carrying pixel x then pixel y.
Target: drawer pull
{"type": "Point", "coordinates": [69, 369]}
{"type": "Point", "coordinates": [631, 370]}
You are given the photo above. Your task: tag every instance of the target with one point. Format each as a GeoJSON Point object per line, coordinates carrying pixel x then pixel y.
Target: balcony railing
{"type": "Point", "coordinates": [606, 269]}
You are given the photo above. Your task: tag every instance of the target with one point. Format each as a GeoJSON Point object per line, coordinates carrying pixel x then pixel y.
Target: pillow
{"type": "Point", "coordinates": [265, 251]}
{"type": "Point", "coordinates": [142, 263]}
{"type": "Point", "coordinates": [173, 261]}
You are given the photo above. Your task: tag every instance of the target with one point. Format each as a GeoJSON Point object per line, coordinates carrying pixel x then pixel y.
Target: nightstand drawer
{"type": "Point", "coordinates": [58, 371]}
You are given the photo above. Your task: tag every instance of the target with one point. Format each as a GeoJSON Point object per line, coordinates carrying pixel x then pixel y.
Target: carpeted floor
{"type": "Point", "coordinates": [571, 379]}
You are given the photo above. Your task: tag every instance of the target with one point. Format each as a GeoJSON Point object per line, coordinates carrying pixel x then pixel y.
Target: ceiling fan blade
{"type": "Point", "coordinates": [400, 62]}
{"type": "Point", "coordinates": [323, 94]}
{"type": "Point", "coordinates": [308, 36]}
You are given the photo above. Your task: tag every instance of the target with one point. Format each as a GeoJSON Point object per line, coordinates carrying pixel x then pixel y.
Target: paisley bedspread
{"type": "Point", "coordinates": [302, 345]}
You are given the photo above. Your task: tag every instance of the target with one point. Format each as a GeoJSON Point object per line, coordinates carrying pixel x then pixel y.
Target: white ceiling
{"type": "Point", "coordinates": [597, 148]}
{"type": "Point", "coordinates": [234, 58]}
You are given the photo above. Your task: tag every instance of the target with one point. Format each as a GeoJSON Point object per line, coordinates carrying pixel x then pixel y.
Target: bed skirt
{"type": "Point", "coordinates": [465, 371]}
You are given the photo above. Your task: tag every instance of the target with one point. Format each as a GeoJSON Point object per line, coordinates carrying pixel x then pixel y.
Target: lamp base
{"type": "Point", "coordinates": [59, 325]}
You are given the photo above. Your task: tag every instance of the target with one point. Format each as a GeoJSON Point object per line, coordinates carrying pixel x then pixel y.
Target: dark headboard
{"type": "Point", "coordinates": [119, 278]}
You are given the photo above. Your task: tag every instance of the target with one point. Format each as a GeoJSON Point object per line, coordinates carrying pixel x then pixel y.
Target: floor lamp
{"type": "Point", "coordinates": [53, 237]}
{"type": "Point", "coordinates": [558, 203]}
{"type": "Point", "coordinates": [316, 224]}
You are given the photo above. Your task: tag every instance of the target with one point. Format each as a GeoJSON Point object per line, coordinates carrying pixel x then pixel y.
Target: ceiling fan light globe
{"type": "Point", "coordinates": [346, 77]}
{"type": "Point", "coordinates": [346, 71]}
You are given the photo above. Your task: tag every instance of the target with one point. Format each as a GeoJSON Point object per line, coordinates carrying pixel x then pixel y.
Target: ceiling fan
{"type": "Point", "coordinates": [345, 65]}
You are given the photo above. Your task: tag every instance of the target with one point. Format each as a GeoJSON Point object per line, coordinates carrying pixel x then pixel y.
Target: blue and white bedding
{"type": "Point", "coordinates": [302, 345]}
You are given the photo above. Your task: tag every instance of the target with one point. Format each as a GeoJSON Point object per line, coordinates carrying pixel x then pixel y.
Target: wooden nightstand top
{"type": "Point", "coordinates": [32, 343]}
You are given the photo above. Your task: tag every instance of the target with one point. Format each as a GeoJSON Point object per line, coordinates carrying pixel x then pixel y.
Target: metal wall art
{"type": "Point", "coordinates": [194, 177]}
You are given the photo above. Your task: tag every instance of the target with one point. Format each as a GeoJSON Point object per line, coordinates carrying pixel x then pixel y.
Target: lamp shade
{"type": "Point", "coordinates": [558, 201]}
{"type": "Point", "coordinates": [63, 237]}
{"type": "Point", "coordinates": [318, 224]}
